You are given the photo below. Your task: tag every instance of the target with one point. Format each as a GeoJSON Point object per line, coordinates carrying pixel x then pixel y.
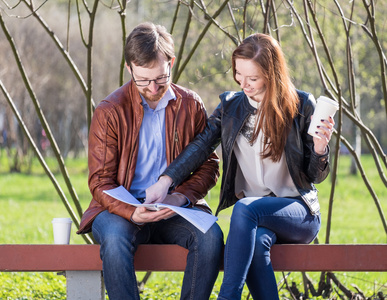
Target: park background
{"type": "Point", "coordinates": [60, 58]}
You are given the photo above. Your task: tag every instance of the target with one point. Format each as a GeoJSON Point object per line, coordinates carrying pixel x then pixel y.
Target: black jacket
{"type": "Point", "coordinates": [305, 166]}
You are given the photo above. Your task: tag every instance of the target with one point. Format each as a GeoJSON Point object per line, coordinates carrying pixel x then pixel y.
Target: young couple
{"type": "Point", "coordinates": [154, 138]}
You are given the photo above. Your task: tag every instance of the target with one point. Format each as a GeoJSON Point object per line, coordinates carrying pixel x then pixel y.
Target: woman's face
{"type": "Point", "coordinates": [250, 78]}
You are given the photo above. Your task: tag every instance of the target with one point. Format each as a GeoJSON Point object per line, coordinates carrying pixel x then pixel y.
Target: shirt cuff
{"type": "Point", "coordinates": [185, 204]}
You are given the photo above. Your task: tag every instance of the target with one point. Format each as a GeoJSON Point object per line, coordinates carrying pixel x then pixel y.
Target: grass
{"type": "Point", "coordinates": [29, 202]}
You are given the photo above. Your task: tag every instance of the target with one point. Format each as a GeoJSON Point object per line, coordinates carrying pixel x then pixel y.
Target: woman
{"type": "Point", "coordinates": [270, 165]}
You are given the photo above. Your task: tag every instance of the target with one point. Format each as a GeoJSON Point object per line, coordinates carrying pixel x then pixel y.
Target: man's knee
{"type": "Point", "coordinates": [212, 241]}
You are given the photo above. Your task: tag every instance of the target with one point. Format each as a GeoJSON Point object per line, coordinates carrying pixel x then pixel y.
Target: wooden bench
{"type": "Point", "coordinates": [82, 264]}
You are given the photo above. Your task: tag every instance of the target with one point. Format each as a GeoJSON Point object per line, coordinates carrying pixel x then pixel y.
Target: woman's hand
{"type": "Point", "coordinates": [325, 133]}
{"type": "Point", "coordinates": [156, 193]}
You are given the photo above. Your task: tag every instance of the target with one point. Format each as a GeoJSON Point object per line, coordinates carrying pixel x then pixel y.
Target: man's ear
{"type": "Point", "coordinates": [172, 61]}
{"type": "Point", "coordinates": [128, 68]}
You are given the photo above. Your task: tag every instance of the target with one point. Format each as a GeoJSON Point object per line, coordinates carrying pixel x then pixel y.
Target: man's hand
{"type": "Point", "coordinates": [157, 192]}
{"type": "Point", "coordinates": [143, 215]}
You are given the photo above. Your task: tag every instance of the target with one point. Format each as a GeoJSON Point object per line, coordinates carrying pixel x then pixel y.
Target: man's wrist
{"type": "Point", "coordinates": [136, 223]}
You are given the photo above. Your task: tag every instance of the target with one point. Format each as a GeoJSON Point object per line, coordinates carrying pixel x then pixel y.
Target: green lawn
{"type": "Point", "coordinates": [29, 202]}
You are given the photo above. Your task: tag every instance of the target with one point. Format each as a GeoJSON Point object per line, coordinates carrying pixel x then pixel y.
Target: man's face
{"type": "Point", "coordinates": [152, 82]}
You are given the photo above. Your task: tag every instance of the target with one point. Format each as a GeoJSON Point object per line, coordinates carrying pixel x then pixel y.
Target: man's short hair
{"type": "Point", "coordinates": [146, 42]}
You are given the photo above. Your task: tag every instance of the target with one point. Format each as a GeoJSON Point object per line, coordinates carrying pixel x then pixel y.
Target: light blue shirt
{"type": "Point", "coordinates": [151, 159]}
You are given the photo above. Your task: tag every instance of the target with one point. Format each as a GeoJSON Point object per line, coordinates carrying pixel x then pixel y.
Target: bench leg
{"type": "Point", "coordinates": [85, 285]}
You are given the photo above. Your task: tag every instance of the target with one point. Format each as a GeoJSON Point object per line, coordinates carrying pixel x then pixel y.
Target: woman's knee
{"type": "Point", "coordinates": [240, 209]}
{"type": "Point", "coordinates": [265, 238]}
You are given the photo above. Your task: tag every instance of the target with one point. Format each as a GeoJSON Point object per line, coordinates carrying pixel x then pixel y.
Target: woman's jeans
{"type": "Point", "coordinates": [257, 224]}
{"type": "Point", "coordinates": [119, 240]}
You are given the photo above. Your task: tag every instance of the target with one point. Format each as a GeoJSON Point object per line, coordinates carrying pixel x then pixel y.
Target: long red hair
{"type": "Point", "coordinates": [280, 103]}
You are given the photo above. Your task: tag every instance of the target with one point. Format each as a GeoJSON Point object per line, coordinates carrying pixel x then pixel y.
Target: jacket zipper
{"type": "Point", "coordinates": [176, 137]}
{"type": "Point", "coordinates": [177, 141]}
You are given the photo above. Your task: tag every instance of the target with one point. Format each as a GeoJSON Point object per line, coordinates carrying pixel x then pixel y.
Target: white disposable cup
{"type": "Point", "coordinates": [62, 230]}
{"type": "Point", "coordinates": [325, 107]}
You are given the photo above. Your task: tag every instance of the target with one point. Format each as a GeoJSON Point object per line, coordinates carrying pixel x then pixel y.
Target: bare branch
{"type": "Point", "coordinates": [266, 13]}
{"type": "Point", "coordinates": [235, 40]}
{"type": "Point", "coordinates": [80, 24]}
{"type": "Point", "coordinates": [68, 25]}
{"type": "Point", "coordinates": [276, 22]}
{"type": "Point", "coordinates": [346, 291]}
{"type": "Point", "coordinates": [245, 18]}
{"type": "Point", "coordinates": [183, 40]}
{"type": "Point", "coordinates": [199, 39]}
{"type": "Point", "coordinates": [33, 10]}
{"type": "Point", "coordinates": [234, 22]}
{"type": "Point", "coordinates": [9, 6]}
{"type": "Point", "coordinates": [89, 97]}
{"type": "Point", "coordinates": [175, 16]}
{"type": "Point", "coordinates": [122, 14]}
{"type": "Point", "coordinates": [371, 16]}
{"type": "Point", "coordinates": [87, 6]}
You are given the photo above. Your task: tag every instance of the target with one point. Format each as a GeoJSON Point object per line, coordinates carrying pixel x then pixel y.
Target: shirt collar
{"type": "Point", "coordinates": [253, 103]}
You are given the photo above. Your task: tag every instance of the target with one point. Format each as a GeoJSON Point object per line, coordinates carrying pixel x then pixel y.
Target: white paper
{"type": "Point", "coordinates": [202, 220]}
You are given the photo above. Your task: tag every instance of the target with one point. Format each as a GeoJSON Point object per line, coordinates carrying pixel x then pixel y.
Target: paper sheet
{"type": "Point", "coordinates": [202, 220]}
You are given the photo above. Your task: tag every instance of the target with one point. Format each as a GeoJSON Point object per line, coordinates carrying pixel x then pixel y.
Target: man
{"type": "Point", "coordinates": [135, 133]}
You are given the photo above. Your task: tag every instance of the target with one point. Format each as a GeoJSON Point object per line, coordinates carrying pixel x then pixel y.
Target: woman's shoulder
{"type": "Point", "coordinates": [232, 99]}
{"type": "Point", "coordinates": [307, 100]}
{"type": "Point", "coordinates": [231, 95]}
{"type": "Point", "coordinates": [306, 97]}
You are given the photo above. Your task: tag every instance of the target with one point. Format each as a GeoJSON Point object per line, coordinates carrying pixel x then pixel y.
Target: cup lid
{"type": "Point", "coordinates": [328, 100]}
{"type": "Point", "coordinates": [61, 220]}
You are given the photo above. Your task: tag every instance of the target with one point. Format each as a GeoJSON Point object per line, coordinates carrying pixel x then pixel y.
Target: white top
{"type": "Point", "coordinates": [257, 177]}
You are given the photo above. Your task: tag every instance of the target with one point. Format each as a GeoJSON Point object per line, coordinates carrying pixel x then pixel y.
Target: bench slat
{"type": "Point", "coordinates": [47, 258]}
{"type": "Point", "coordinates": [329, 257]}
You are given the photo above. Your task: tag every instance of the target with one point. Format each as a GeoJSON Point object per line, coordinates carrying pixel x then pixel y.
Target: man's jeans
{"type": "Point", "coordinates": [257, 224]}
{"type": "Point", "coordinates": [119, 240]}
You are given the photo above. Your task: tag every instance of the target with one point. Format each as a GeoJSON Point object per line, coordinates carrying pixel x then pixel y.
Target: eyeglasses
{"type": "Point", "coordinates": [160, 80]}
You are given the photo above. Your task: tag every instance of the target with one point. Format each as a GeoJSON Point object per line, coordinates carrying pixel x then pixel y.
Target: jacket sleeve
{"type": "Point", "coordinates": [103, 160]}
{"type": "Point", "coordinates": [196, 169]}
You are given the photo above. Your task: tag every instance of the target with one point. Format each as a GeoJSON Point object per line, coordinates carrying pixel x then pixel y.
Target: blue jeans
{"type": "Point", "coordinates": [257, 224]}
{"type": "Point", "coordinates": [119, 240]}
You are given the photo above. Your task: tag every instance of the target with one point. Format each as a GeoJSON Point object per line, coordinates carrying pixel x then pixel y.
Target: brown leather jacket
{"type": "Point", "coordinates": [113, 148]}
